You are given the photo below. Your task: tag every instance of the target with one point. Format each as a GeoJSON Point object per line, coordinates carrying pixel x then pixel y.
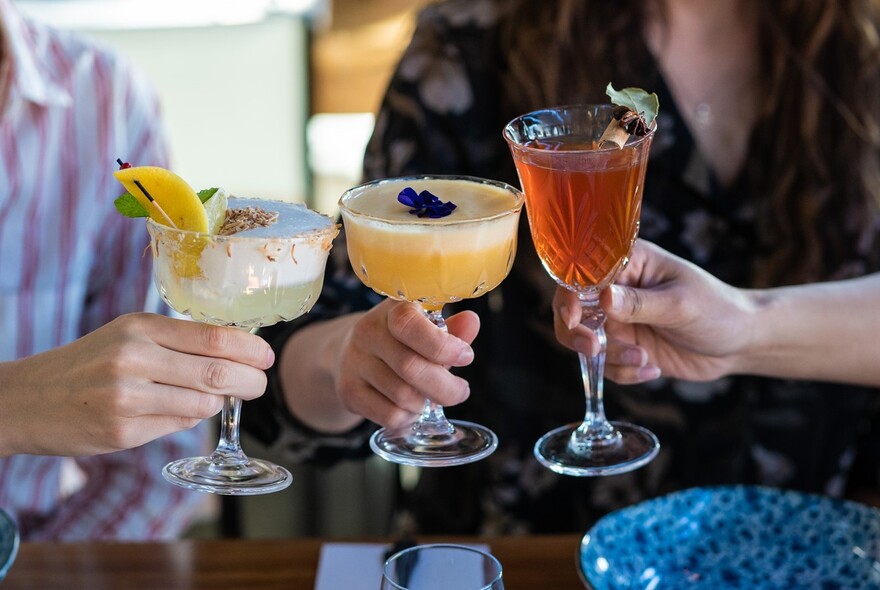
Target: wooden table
{"type": "Point", "coordinates": [530, 562]}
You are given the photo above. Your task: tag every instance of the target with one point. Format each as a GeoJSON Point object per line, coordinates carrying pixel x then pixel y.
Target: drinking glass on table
{"type": "Point", "coordinates": [247, 280]}
{"type": "Point", "coordinates": [442, 567]}
{"type": "Point", "coordinates": [583, 203]}
{"type": "Point", "coordinates": [432, 253]}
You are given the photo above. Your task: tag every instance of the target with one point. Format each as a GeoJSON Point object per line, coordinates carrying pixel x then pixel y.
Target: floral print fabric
{"type": "Point", "coordinates": [442, 115]}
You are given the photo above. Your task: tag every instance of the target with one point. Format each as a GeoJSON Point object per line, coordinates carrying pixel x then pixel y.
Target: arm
{"type": "Point", "coordinates": [124, 495]}
{"type": "Point", "coordinates": [667, 316]}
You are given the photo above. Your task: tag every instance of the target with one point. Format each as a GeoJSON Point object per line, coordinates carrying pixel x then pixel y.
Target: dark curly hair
{"type": "Point", "coordinates": [817, 136]}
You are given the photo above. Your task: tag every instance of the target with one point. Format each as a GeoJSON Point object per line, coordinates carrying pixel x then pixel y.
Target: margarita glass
{"type": "Point", "coordinates": [583, 204]}
{"type": "Point", "coordinates": [432, 261]}
{"type": "Point", "coordinates": [250, 279]}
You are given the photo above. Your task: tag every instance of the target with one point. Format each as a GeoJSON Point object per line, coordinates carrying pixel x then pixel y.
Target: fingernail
{"type": "Point", "coordinates": [566, 317]}
{"type": "Point", "coordinates": [633, 356]}
{"type": "Point", "coordinates": [648, 372]}
{"type": "Point", "coordinates": [616, 298]}
{"type": "Point", "coordinates": [270, 357]}
{"type": "Point", "coordinates": [466, 355]}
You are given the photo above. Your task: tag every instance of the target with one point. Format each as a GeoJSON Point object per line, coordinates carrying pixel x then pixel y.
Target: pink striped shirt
{"type": "Point", "coordinates": [69, 263]}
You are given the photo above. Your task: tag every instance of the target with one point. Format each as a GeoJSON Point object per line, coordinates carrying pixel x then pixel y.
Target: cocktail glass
{"type": "Point", "coordinates": [245, 281]}
{"type": "Point", "coordinates": [432, 262]}
{"type": "Point", "coordinates": [583, 206]}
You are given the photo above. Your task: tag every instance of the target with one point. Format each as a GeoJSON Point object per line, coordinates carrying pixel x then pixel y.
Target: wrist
{"type": "Point", "coordinates": [758, 326]}
{"type": "Point", "coordinates": [309, 374]}
{"type": "Point", "coordinates": [11, 425]}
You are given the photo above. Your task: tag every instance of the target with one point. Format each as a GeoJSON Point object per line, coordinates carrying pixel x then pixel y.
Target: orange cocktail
{"type": "Point", "coordinates": [432, 261]}
{"type": "Point", "coordinates": [432, 240]}
{"type": "Point", "coordinates": [584, 210]}
{"type": "Point", "coordinates": [583, 187]}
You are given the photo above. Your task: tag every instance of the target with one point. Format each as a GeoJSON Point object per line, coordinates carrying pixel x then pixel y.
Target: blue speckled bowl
{"type": "Point", "coordinates": [735, 537]}
{"type": "Point", "coordinates": [8, 542]}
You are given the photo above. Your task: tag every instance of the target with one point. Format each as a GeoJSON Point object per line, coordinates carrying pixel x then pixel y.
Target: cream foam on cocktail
{"type": "Point", "coordinates": [253, 277]}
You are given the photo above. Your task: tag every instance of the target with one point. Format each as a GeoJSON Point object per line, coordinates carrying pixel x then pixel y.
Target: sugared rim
{"type": "Point", "coordinates": [332, 228]}
{"type": "Point", "coordinates": [445, 221]}
{"type": "Point", "coordinates": [633, 143]}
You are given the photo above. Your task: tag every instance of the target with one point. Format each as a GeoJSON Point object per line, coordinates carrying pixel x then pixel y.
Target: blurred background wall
{"type": "Point", "coordinates": [271, 98]}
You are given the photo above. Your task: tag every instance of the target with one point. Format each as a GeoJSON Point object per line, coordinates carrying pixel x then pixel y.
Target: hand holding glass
{"type": "Point", "coordinates": [432, 262]}
{"type": "Point", "coordinates": [246, 281]}
{"type": "Point", "coordinates": [583, 203]}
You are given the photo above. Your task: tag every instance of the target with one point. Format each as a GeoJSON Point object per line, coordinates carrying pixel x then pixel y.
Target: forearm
{"type": "Point", "coordinates": [824, 332]}
{"type": "Point", "coordinates": [12, 412]}
{"type": "Point", "coordinates": [307, 372]}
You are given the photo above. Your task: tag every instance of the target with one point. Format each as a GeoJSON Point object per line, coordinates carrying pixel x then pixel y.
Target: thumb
{"type": "Point", "coordinates": [636, 306]}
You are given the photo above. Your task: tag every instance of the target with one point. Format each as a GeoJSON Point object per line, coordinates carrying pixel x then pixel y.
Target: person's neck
{"type": "Point", "coordinates": [706, 51]}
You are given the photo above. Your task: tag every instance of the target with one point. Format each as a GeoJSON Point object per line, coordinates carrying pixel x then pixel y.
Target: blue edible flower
{"type": "Point", "coordinates": [424, 204]}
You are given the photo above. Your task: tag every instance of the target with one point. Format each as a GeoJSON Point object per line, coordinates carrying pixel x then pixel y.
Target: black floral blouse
{"type": "Point", "coordinates": [441, 115]}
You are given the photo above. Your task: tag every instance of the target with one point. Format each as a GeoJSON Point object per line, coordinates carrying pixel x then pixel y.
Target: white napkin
{"type": "Point", "coordinates": [358, 566]}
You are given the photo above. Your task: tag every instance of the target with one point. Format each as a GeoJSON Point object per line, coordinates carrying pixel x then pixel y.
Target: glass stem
{"type": "Point", "coordinates": [432, 422]}
{"type": "Point", "coordinates": [595, 429]}
{"type": "Point", "coordinates": [228, 451]}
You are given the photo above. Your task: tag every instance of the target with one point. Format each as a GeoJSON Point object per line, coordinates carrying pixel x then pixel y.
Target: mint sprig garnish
{"type": "Point", "coordinates": [129, 206]}
{"type": "Point", "coordinates": [636, 99]}
{"type": "Point", "coordinates": [206, 194]}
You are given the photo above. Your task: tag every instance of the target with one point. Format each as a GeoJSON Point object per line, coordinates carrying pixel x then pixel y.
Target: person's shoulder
{"type": "Point", "coordinates": [75, 57]}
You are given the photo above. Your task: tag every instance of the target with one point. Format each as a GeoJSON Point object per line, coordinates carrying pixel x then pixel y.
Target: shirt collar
{"type": "Point", "coordinates": [27, 72]}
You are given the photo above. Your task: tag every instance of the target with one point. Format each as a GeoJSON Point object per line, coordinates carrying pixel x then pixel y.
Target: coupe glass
{"type": "Point", "coordinates": [583, 204]}
{"type": "Point", "coordinates": [243, 282]}
{"type": "Point", "coordinates": [441, 567]}
{"type": "Point", "coordinates": [432, 262]}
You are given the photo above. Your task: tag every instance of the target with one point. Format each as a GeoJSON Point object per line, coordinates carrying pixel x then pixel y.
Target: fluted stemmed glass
{"type": "Point", "coordinates": [246, 281]}
{"type": "Point", "coordinates": [432, 261]}
{"type": "Point", "coordinates": [583, 204]}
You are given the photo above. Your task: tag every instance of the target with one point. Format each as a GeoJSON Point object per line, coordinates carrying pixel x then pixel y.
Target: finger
{"type": "Point", "coordinates": [464, 325]}
{"type": "Point", "coordinates": [382, 379]}
{"type": "Point", "coordinates": [177, 402]}
{"type": "Point", "coordinates": [370, 403]}
{"type": "Point", "coordinates": [207, 374]}
{"type": "Point", "coordinates": [566, 308]}
{"type": "Point", "coordinates": [432, 380]}
{"type": "Point", "coordinates": [628, 375]}
{"type": "Point", "coordinates": [410, 327]}
{"type": "Point", "coordinates": [626, 355]}
{"type": "Point", "coordinates": [148, 428]}
{"type": "Point", "coordinates": [207, 340]}
{"type": "Point", "coordinates": [638, 306]}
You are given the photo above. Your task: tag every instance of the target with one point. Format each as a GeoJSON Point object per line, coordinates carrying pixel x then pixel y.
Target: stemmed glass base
{"type": "Point", "coordinates": [595, 446]}
{"type": "Point", "coordinates": [228, 471]}
{"type": "Point", "coordinates": [463, 442]}
{"type": "Point", "coordinates": [623, 448]}
{"type": "Point", "coordinates": [217, 476]}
